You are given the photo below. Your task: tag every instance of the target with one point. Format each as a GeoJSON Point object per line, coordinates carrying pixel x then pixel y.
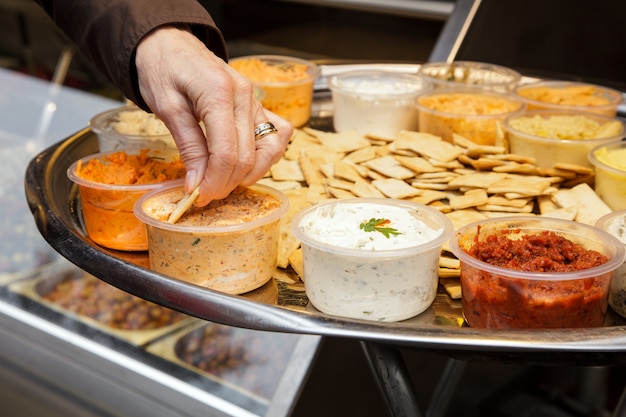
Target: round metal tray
{"type": "Point", "coordinates": [52, 199]}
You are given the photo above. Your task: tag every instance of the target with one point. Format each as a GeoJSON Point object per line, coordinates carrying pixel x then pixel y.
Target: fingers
{"type": "Point", "coordinates": [184, 83]}
{"type": "Point", "coordinates": [270, 148]}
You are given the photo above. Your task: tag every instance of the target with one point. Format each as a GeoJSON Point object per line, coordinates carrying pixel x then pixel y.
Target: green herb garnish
{"type": "Point", "coordinates": [378, 225]}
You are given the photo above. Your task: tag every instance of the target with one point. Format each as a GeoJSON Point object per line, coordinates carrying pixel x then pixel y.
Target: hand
{"type": "Point", "coordinates": [183, 83]}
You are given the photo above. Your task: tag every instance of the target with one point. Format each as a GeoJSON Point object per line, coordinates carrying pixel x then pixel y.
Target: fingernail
{"type": "Point", "coordinates": [190, 181]}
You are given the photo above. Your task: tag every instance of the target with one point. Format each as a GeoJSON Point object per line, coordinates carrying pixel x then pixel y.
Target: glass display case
{"type": "Point", "coordinates": [95, 345]}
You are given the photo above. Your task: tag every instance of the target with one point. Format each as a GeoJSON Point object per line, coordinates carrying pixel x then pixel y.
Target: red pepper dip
{"type": "Point", "coordinates": [497, 301]}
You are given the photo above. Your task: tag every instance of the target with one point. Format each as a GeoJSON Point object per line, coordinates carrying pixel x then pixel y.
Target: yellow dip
{"type": "Point", "coordinates": [550, 136]}
{"type": "Point", "coordinates": [610, 181]}
{"type": "Point", "coordinates": [230, 245]}
{"type": "Point", "coordinates": [570, 127]}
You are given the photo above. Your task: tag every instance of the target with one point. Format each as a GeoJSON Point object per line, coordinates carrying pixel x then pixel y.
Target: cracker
{"type": "Point", "coordinates": [527, 208]}
{"type": "Point", "coordinates": [477, 179]}
{"type": "Point", "coordinates": [579, 169]}
{"type": "Point", "coordinates": [287, 170]}
{"type": "Point", "coordinates": [428, 196]}
{"type": "Point", "coordinates": [390, 167]}
{"type": "Point", "coordinates": [526, 186]}
{"type": "Point", "coordinates": [347, 171]}
{"type": "Point", "coordinates": [428, 145]}
{"type": "Point", "coordinates": [347, 141]}
{"type": "Point", "coordinates": [517, 168]}
{"type": "Point", "coordinates": [460, 218]}
{"type": "Point", "coordinates": [590, 205]}
{"type": "Point", "coordinates": [366, 190]}
{"type": "Point", "coordinates": [472, 198]}
{"type": "Point", "coordinates": [565, 213]}
{"type": "Point", "coordinates": [417, 164]}
{"type": "Point", "coordinates": [449, 262]}
{"type": "Point", "coordinates": [339, 192]}
{"type": "Point", "coordinates": [361, 155]}
{"type": "Point", "coordinates": [395, 188]}
{"type": "Point", "coordinates": [280, 185]}
{"type": "Point", "coordinates": [297, 263]}
{"type": "Point", "coordinates": [310, 169]}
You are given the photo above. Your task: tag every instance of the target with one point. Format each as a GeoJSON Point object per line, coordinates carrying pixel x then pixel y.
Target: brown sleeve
{"type": "Point", "coordinates": [108, 32]}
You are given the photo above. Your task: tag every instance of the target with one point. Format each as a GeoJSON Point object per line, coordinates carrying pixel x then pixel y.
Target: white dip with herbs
{"type": "Point", "coordinates": [371, 261]}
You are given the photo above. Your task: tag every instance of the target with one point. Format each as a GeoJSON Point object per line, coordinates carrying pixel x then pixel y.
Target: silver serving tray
{"type": "Point", "coordinates": [53, 201]}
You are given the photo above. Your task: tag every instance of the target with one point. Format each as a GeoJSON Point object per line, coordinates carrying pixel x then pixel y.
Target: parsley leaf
{"type": "Point", "coordinates": [378, 225]}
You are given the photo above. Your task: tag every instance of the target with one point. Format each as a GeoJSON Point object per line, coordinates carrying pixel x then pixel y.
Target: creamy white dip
{"type": "Point", "coordinates": [339, 225]}
{"type": "Point", "coordinates": [617, 293]}
{"type": "Point", "coordinates": [375, 104]}
{"type": "Point", "coordinates": [353, 273]}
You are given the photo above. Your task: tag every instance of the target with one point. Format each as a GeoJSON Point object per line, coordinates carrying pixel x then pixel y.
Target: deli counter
{"type": "Point", "coordinates": [96, 349]}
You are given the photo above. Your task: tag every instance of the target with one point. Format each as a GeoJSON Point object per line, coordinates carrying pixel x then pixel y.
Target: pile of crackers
{"type": "Point", "coordinates": [464, 180]}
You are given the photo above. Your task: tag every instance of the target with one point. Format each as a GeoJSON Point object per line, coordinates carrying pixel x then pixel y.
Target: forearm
{"type": "Point", "coordinates": [108, 32]}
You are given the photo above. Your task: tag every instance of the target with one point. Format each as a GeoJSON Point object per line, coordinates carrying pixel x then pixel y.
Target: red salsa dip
{"type": "Point", "coordinates": [496, 301]}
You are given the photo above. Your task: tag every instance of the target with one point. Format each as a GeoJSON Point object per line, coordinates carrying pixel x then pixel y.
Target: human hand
{"type": "Point", "coordinates": [183, 83]}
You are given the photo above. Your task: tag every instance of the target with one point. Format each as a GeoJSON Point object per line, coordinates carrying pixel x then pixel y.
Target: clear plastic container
{"type": "Point", "coordinates": [286, 83]}
{"type": "Point", "coordinates": [130, 127]}
{"type": "Point", "coordinates": [504, 298]}
{"type": "Point", "coordinates": [379, 103]}
{"type": "Point", "coordinates": [353, 272]}
{"type": "Point", "coordinates": [107, 209]}
{"type": "Point", "coordinates": [464, 74]}
{"type": "Point", "coordinates": [551, 136]}
{"type": "Point", "coordinates": [609, 162]}
{"type": "Point", "coordinates": [474, 114]}
{"type": "Point", "coordinates": [615, 224]}
{"type": "Point", "coordinates": [230, 245]}
{"type": "Point", "coordinates": [570, 95]}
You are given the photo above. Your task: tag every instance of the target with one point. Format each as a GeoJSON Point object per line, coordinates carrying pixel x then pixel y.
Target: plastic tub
{"type": "Point", "coordinates": [551, 136]}
{"type": "Point", "coordinates": [473, 114]}
{"type": "Point", "coordinates": [230, 245]}
{"type": "Point", "coordinates": [375, 103]}
{"type": "Point", "coordinates": [504, 298]}
{"type": "Point", "coordinates": [107, 209]}
{"type": "Point", "coordinates": [615, 224]}
{"type": "Point", "coordinates": [130, 127]}
{"type": "Point", "coordinates": [609, 162]}
{"type": "Point", "coordinates": [464, 74]}
{"type": "Point", "coordinates": [569, 95]}
{"type": "Point", "coordinates": [286, 83]}
{"type": "Point", "coordinates": [351, 270]}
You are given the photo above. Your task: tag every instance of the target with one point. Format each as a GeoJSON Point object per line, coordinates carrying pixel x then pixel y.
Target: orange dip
{"type": "Point", "coordinates": [287, 85]}
{"type": "Point", "coordinates": [230, 245]}
{"type": "Point", "coordinates": [120, 168]}
{"type": "Point", "coordinates": [584, 95]}
{"type": "Point", "coordinates": [110, 189]}
{"type": "Point", "coordinates": [473, 115]}
{"type": "Point", "coordinates": [496, 301]}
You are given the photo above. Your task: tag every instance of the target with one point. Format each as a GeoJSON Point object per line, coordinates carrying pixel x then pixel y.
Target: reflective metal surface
{"type": "Point", "coordinates": [52, 199]}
